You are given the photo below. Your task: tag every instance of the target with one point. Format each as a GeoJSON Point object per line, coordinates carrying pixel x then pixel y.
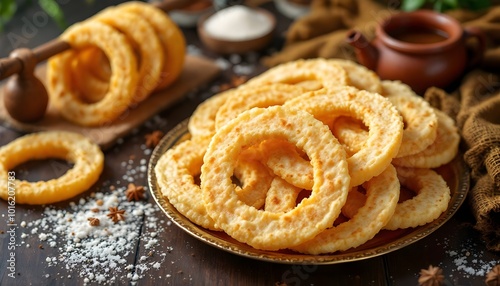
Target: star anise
{"type": "Point", "coordinates": [93, 221]}
{"type": "Point", "coordinates": [493, 277]}
{"type": "Point", "coordinates": [134, 193]}
{"type": "Point", "coordinates": [115, 214]}
{"type": "Point", "coordinates": [153, 138]}
{"type": "Point", "coordinates": [431, 277]}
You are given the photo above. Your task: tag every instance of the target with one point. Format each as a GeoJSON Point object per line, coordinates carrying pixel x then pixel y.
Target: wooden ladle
{"type": "Point", "coordinates": [24, 95]}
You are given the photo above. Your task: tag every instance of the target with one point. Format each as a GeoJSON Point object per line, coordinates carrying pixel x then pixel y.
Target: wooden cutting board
{"type": "Point", "coordinates": [197, 71]}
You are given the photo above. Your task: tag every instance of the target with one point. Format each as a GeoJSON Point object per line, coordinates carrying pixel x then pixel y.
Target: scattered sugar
{"type": "Point", "coordinates": [222, 63]}
{"type": "Point", "coordinates": [42, 237]}
{"type": "Point", "coordinates": [235, 59]}
{"type": "Point", "coordinates": [193, 50]}
{"type": "Point", "coordinates": [469, 260]}
{"type": "Point", "coordinates": [243, 69]}
{"type": "Point", "coordinates": [101, 254]}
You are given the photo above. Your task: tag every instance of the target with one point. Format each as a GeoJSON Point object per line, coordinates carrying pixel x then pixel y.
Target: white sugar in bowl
{"type": "Point", "coordinates": [237, 29]}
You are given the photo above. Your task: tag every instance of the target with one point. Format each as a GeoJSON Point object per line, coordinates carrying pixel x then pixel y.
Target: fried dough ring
{"type": "Point", "coordinates": [202, 121]}
{"type": "Point", "coordinates": [123, 82]}
{"type": "Point", "coordinates": [176, 171]}
{"type": "Point", "coordinates": [145, 42]}
{"type": "Point", "coordinates": [96, 62]}
{"type": "Point", "coordinates": [419, 117]}
{"type": "Point", "coordinates": [86, 156]}
{"type": "Point", "coordinates": [351, 133]}
{"type": "Point", "coordinates": [171, 38]}
{"type": "Point", "coordinates": [433, 196]}
{"type": "Point", "coordinates": [420, 120]}
{"type": "Point", "coordinates": [258, 228]}
{"type": "Point", "coordinates": [359, 76]}
{"type": "Point", "coordinates": [245, 98]}
{"type": "Point", "coordinates": [254, 177]}
{"type": "Point", "coordinates": [381, 201]}
{"type": "Point", "coordinates": [355, 201]}
{"type": "Point", "coordinates": [441, 151]}
{"type": "Point", "coordinates": [377, 113]}
{"type": "Point", "coordinates": [281, 196]}
{"type": "Point", "coordinates": [287, 163]}
{"type": "Point", "coordinates": [91, 88]}
{"type": "Point", "coordinates": [327, 74]}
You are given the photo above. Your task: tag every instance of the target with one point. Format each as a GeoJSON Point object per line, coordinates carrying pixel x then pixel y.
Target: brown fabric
{"type": "Point", "coordinates": [474, 103]}
{"type": "Point", "coordinates": [321, 33]}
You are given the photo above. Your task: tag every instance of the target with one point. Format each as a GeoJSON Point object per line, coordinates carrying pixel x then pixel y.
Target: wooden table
{"type": "Point", "coordinates": [180, 258]}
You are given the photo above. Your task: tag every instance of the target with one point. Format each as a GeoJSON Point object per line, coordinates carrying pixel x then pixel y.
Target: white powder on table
{"type": "Point", "coordinates": [238, 23]}
{"type": "Point", "coordinates": [469, 261]}
{"type": "Point", "coordinates": [102, 254]}
{"type": "Point", "coordinates": [99, 253]}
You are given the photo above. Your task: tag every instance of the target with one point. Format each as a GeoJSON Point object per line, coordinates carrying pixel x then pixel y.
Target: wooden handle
{"type": "Point", "coordinates": [10, 66]}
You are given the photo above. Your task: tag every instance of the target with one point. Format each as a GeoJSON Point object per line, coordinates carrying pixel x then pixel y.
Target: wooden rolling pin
{"type": "Point", "coordinates": [25, 97]}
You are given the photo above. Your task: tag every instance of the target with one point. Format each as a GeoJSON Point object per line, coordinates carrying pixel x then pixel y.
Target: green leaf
{"type": "Point", "coordinates": [7, 10]}
{"type": "Point", "coordinates": [411, 5]}
{"type": "Point", "coordinates": [450, 4]}
{"type": "Point", "coordinates": [54, 11]}
{"type": "Point", "coordinates": [438, 6]}
{"type": "Point", "coordinates": [475, 4]}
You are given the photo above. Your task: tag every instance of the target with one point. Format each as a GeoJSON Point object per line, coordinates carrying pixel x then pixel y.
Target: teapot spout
{"type": "Point", "coordinates": [366, 53]}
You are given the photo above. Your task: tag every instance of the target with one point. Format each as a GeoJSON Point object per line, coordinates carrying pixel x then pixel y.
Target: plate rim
{"type": "Point", "coordinates": [181, 129]}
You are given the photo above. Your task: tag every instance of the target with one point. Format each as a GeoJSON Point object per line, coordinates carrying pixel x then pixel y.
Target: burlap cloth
{"type": "Point", "coordinates": [474, 102]}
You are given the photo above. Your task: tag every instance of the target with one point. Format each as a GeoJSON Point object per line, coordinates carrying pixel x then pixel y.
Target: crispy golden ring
{"type": "Point", "coordinates": [123, 82]}
{"type": "Point", "coordinates": [381, 201]}
{"type": "Point", "coordinates": [377, 113]}
{"type": "Point", "coordinates": [433, 196]}
{"type": "Point", "coordinates": [176, 171]}
{"type": "Point", "coordinates": [441, 151]}
{"type": "Point", "coordinates": [283, 156]}
{"type": "Point", "coordinates": [351, 133]}
{"type": "Point", "coordinates": [96, 62]}
{"type": "Point", "coordinates": [281, 196]}
{"type": "Point", "coordinates": [247, 97]}
{"type": "Point", "coordinates": [144, 41]}
{"type": "Point", "coordinates": [171, 38]}
{"type": "Point", "coordinates": [254, 178]}
{"type": "Point", "coordinates": [86, 156]}
{"type": "Point", "coordinates": [259, 228]}
{"type": "Point", "coordinates": [327, 74]}
{"type": "Point", "coordinates": [202, 121]}
{"type": "Point", "coordinates": [355, 201]}
{"type": "Point", "coordinates": [90, 88]}
{"type": "Point", "coordinates": [359, 76]}
{"type": "Point", "coordinates": [421, 122]}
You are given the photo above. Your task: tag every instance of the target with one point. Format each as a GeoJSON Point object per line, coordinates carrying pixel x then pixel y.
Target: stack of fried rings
{"type": "Point", "coordinates": [258, 123]}
{"type": "Point", "coordinates": [117, 59]}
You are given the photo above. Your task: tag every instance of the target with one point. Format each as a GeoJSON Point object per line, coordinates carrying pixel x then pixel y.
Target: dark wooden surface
{"type": "Point", "coordinates": [456, 247]}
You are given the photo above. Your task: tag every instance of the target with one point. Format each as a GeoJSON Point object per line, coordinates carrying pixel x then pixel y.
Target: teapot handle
{"type": "Point", "coordinates": [478, 53]}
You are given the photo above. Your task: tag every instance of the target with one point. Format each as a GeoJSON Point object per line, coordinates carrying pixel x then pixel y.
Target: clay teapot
{"type": "Point", "coordinates": [421, 48]}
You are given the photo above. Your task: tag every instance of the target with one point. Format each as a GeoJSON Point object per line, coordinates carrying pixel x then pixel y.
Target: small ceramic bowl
{"type": "Point", "coordinates": [292, 9]}
{"type": "Point", "coordinates": [225, 46]}
{"type": "Point", "coordinates": [189, 16]}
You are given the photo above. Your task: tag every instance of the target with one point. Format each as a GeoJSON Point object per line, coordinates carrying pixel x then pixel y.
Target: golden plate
{"type": "Point", "coordinates": [455, 173]}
